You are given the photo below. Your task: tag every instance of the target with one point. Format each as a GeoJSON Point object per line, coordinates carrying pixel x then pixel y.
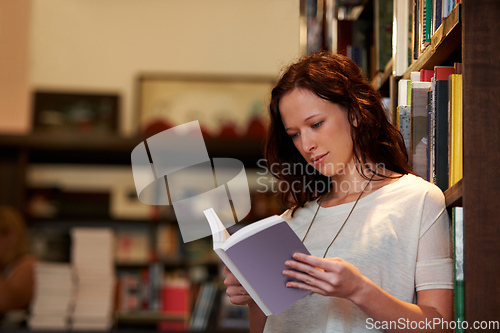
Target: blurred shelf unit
{"type": "Point", "coordinates": [67, 181]}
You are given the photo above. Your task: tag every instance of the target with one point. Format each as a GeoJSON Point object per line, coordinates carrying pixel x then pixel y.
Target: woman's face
{"type": "Point", "coordinates": [319, 130]}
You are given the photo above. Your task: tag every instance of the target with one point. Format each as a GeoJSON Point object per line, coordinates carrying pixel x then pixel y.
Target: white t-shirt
{"type": "Point", "coordinates": [398, 236]}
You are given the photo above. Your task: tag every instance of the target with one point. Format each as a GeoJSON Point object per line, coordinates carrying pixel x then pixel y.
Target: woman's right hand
{"type": "Point", "coordinates": [237, 294]}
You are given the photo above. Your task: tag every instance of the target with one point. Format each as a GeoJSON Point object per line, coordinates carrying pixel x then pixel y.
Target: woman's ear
{"type": "Point", "coordinates": [354, 120]}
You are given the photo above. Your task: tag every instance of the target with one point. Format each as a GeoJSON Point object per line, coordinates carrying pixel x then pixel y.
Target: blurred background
{"type": "Point", "coordinates": [83, 82]}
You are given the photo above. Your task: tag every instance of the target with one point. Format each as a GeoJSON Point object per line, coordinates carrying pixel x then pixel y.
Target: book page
{"type": "Point", "coordinates": [251, 230]}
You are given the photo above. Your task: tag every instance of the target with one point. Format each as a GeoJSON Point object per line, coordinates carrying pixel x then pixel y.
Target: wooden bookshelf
{"type": "Point", "coordinates": [453, 195]}
{"type": "Point", "coordinates": [468, 36]}
{"type": "Point", "coordinates": [481, 63]}
{"type": "Point", "coordinates": [381, 79]}
{"type": "Point", "coordinates": [146, 317]}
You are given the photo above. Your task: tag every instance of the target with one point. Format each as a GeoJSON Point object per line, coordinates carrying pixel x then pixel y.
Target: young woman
{"type": "Point", "coordinates": [16, 264]}
{"type": "Point", "coordinates": [378, 235]}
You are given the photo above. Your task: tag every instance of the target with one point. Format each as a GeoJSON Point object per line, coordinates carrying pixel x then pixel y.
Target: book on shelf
{"type": "Point", "coordinates": [132, 246]}
{"type": "Point", "coordinates": [130, 292]}
{"type": "Point", "coordinates": [93, 259]}
{"type": "Point", "coordinates": [426, 75]}
{"type": "Point", "coordinates": [419, 137]}
{"type": "Point", "coordinates": [256, 255]}
{"type": "Point", "coordinates": [383, 33]}
{"type": "Point", "coordinates": [457, 215]}
{"type": "Point", "coordinates": [231, 316]}
{"type": "Point", "coordinates": [431, 134]}
{"type": "Point", "coordinates": [401, 51]}
{"type": "Point", "coordinates": [441, 74]}
{"type": "Point", "coordinates": [455, 129]}
{"type": "Point", "coordinates": [437, 6]}
{"type": "Point", "coordinates": [53, 298]}
{"type": "Point", "coordinates": [403, 112]}
{"type": "Point", "coordinates": [426, 23]}
{"type": "Point", "coordinates": [205, 303]}
{"type": "Point", "coordinates": [404, 124]}
{"type": "Point", "coordinates": [175, 296]}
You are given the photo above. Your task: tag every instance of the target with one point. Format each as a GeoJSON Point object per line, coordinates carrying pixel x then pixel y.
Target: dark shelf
{"type": "Point", "coordinates": [105, 149]}
{"type": "Point", "coordinates": [453, 195]}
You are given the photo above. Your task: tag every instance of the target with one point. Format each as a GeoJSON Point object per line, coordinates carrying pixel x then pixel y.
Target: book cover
{"type": "Point", "coordinates": [455, 134]}
{"type": "Point", "coordinates": [256, 255]}
{"type": "Point", "coordinates": [419, 135]}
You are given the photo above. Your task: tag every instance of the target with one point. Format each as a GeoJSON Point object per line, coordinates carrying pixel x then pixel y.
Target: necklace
{"type": "Point", "coordinates": [347, 218]}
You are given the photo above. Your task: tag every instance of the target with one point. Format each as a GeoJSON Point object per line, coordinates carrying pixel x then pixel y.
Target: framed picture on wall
{"type": "Point", "coordinates": [75, 112]}
{"type": "Point", "coordinates": [225, 106]}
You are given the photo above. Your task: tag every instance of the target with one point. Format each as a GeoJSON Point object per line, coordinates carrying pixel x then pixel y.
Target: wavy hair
{"type": "Point", "coordinates": [339, 80]}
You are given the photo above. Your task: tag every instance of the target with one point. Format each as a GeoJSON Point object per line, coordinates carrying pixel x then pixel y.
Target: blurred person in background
{"type": "Point", "coordinates": [17, 265]}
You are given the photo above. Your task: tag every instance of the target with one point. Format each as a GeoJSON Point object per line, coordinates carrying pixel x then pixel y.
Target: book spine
{"type": "Point", "coordinates": [455, 150]}
{"type": "Point", "coordinates": [400, 36]}
{"type": "Point", "coordinates": [458, 258]}
{"type": "Point", "coordinates": [419, 135]}
{"type": "Point", "coordinates": [405, 126]}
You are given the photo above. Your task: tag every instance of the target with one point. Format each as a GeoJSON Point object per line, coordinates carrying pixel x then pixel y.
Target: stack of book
{"type": "Point", "coordinates": [92, 256]}
{"type": "Point", "coordinates": [53, 298]}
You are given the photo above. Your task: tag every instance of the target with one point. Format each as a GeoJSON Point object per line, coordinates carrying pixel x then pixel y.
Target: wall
{"type": "Point", "coordinates": [102, 45]}
{"type": "Point", "coordinates": [14, 71]}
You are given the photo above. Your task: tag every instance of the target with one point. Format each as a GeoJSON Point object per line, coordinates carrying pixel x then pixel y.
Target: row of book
{"type": "Point", "coordinates": [429, 117]}
{"type": "Point", "coordinates": [401, 29]}
{"type": "Point", "coordinates": [152, 290]}
{"type": "Point", "coordinates": [427, 18]}
{"type": "Point", "coordinates": [416, 21]}
{"type": "Point", "coordinates": [77, 295]}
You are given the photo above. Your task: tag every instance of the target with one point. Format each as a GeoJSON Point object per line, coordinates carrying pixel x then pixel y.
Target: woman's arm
{"type": "Point", "coordinates": [16, 291]}
{"type": "Point", "coordinates": [336, 277]}
{"type": "Point", "coordinates": [239, 296]}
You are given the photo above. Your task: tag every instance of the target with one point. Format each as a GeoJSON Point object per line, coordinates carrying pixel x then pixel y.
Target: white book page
{"type": "Point", "coordinates": [250, 230]}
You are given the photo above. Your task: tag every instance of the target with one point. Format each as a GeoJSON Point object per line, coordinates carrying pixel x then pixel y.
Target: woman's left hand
{"type": "Point", "coordinates": [327, 277]}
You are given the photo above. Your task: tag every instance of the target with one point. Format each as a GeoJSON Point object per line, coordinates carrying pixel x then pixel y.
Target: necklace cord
{"type": "Point", "coordinates": [343, 224]}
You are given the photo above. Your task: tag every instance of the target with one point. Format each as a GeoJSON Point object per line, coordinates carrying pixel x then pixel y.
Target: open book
{"type": "Point", "coordinates": [256, 255]}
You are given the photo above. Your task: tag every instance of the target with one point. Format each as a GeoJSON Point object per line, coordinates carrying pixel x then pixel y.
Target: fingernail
{"type": "Point", "coordinates": [284, 272]}
{"type": "Point", "coordinates": [295, 255]}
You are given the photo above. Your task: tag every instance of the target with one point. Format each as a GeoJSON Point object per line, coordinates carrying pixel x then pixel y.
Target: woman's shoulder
{"type": "Point", "coordinates": [417, 187]}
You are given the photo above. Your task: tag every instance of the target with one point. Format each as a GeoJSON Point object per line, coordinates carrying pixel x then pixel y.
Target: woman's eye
{"type": "Point", "coordinates": [318, 124]}
{"type": "Point", "coordinates": [294, 135]}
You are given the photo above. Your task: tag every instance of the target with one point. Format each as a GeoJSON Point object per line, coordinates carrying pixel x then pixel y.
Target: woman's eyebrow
{"type": "Point", "coordinates": [308, 118]}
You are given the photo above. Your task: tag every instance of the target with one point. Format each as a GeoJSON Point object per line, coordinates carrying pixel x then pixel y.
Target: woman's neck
{"type": "Point", "coordinates": [346, 186]}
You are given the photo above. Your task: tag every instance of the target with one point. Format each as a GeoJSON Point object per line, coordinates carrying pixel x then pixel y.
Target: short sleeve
{"type": "Point", "coordinates": [434, 269]}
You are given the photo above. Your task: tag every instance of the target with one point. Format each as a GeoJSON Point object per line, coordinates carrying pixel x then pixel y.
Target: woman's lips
{"type": "Point", "coordinates": [319, 159]}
